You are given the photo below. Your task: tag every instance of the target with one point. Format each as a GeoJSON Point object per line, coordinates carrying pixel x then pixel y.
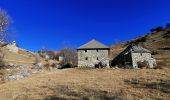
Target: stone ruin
{"type": "Point", "coordinates": [12, 47]}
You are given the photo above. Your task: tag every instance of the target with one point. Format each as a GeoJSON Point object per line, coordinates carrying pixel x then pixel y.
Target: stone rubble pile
{"type": "Point", "coordinates": [38, 66]}
{"type": "Point", "coordinates": [16, 77]}
{"type": "Point", "coordinates": [16, 72]}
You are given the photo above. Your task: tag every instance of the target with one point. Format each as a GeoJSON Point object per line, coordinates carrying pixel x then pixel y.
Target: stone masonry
{"type": "Point", "coordinates": [92, 53]}
{"type": "Point", "coordinates": [88, 58]}
{"type": "Point", "coordinates": [132, 55]}
{"type": "Point", "coordinates": [141, 57]}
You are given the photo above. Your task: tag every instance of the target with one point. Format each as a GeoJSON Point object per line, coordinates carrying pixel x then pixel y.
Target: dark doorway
{"type": "Point", "coordinates": [128, 59]}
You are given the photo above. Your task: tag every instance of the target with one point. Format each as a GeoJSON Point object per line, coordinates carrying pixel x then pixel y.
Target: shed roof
{"type": "Point", "coordinates": [140, 49]}
{"type": "Point", "coordinates": [93, 44]}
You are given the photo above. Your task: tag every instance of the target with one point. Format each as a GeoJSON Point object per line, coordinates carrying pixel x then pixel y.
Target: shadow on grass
{"type": "Point", "coordinates": [64, 93]}
{"type": "Point", "coordinates": [162, 85]}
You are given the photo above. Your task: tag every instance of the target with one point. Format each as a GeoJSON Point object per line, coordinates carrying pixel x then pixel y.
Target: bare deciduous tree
{"type": "Point", "coordinates": [4, 23]}
{"type": "Point", "coordinates": [53, 55]}
{"type": "Point", "coordinates": [69, 56]}
{"type": "Point", "coordinates": [42, 53]}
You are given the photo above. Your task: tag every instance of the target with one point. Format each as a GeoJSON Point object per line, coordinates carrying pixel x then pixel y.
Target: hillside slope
{"type": "Point", "coordinates": [20, 57]}
{"type": "Point", "coordinates": [158, 42]}
{"type": "Point", "coordinates": [24, 58]}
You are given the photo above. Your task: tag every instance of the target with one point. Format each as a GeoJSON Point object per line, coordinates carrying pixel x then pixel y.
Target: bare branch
{"type": "Point", "coordinates": [4, 24]}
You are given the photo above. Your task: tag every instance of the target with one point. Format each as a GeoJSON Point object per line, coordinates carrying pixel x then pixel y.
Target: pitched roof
{"type": "Point", "coordinates": [140, 49]}
{"type": "Point", "coordinates": [93, 44]}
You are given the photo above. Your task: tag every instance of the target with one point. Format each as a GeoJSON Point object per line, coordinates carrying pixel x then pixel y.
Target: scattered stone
{"type": "Point", "coordinates": [134, 81]}
{"type": "Point", "coordinates": [39, 66]}
{"type": "Point", "coordinates": [16, 77]}
{"type": "Point", "coordinates": [11, 64]}
{"type": "Point", "coordinates": [23, 68]}
{"type": "Point", "coordinates": [7, 69]}
{"type": "Point", "coordinates": [57, 66]}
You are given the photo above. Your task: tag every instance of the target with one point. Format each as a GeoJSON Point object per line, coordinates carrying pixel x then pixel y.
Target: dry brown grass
{"type": "Point", "coordinates": [90, 84]}
{"type": "Point", "coordinates": [22, 58]}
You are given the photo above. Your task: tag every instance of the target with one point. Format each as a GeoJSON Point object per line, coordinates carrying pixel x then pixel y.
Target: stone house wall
{"type": "Point", "coordinates": [12, 47]}
{"type": "Point", "coordinates": [136, 57]}
{"type": "Point", "coordinates": [88, 58]}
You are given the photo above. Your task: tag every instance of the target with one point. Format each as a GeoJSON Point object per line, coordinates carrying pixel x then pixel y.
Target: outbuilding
{"type": "Point", "coordinates": [133, 55]}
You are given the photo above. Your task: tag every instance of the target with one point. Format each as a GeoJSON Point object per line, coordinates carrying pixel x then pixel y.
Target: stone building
{"type": "Point", "coordinates": [93, 53]}
{"type": "Point", "coordinates": [12, 47]}
{"type": "Point", "coordinates": [132, 55]}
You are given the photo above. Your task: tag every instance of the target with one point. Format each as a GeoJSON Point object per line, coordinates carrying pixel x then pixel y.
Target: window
{"type": "Point", "coordinates": [97, 58]}
{"type": "Point", "coordinates": [85, 50]}
{"type": "Point", "coordinates": [140, 54]}
{"type": "Point", "coordinates": [86, 58]}
{"type": "Point", "coordinates": [97, 50]}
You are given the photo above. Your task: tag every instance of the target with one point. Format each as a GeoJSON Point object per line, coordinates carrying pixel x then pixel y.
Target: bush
{"type": "Point", "coordinates": [168, 25]}
{"type": "Point", "coordinates": [68, 65]}
{"type": "Point", "coordinates": [141, 39]}
{"type": "Point", "coordinates": [128, 42]}
{"type": "Point", "coordinates": [167, 34]}
{"type": "Point", "coordinates": [152, 30]}
{"type": "Point", "coordinates": [69, 56]}
{"type": "Point", "coordinates": [160, 28]}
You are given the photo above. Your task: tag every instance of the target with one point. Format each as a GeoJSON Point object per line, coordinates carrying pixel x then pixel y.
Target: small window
{"type": "Point", "coordinates": [86, 58]}
{"type": "Point", "coordinates": [140, 54]}
{"type": "Point", "coordinates": [97, 58]}
{"type": "Point", "coordinates": [97, 50]}
{"type": "Point", "coordinates": [85, 50]}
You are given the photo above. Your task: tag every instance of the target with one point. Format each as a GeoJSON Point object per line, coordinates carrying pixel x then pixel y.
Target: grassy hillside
{"type": "Point", "coordinates": [95, 84]}
{"type": "Point", "coordinates": [23, 57]}
{"type": "Point", "coordinates": [158, 42]}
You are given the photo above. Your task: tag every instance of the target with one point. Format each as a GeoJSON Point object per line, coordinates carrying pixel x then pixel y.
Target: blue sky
{"type": "Point", "coordinates": [54, 24]}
